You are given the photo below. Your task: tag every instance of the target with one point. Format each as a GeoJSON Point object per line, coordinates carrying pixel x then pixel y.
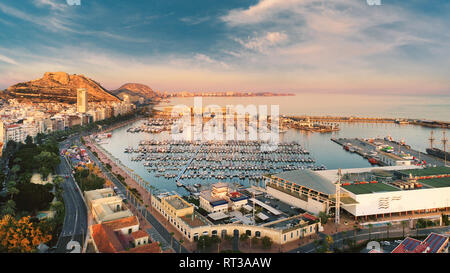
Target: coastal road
{"type": "Point", "coordinates": [158, 227]}
{"type": "Point", "coordinates": [75, 221]}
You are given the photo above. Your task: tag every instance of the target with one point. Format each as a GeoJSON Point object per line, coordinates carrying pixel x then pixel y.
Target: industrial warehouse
{"type": "Point", "coordinates": [367, 194]}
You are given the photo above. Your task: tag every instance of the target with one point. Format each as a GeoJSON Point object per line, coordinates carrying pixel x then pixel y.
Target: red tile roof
{"type": "Point", "coordinates": [309, 216]}
{"type": "Point", "coordinates": [139, 234]}
{"type": "Point", "coordinates": [105, 239]}
{"type": "Point", "coordinates": [148, 248]}
{"type": "Point", "coordinates": [122, 223]}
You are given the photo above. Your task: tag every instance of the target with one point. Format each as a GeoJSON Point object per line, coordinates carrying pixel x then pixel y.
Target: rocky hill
{"type": "Point", "coordinates": [58, 87]}
{"type": "Point", "coordinates": [135, 91]}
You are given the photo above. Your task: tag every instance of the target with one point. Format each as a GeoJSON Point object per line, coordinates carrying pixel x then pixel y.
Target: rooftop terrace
{"type": "Point", "coordinates": [369, 188]}
{"type": "Point", "coordinates": [178, 203]}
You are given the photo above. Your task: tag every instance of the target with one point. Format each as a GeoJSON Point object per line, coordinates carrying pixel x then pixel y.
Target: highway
{"type": "Point", "coordinates": [75, 221]}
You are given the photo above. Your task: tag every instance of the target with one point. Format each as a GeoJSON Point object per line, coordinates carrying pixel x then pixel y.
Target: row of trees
{"type": "Point", "coordinates": [206, 243]}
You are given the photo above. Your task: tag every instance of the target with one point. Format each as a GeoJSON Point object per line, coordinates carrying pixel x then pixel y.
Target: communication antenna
{"type": "Point", "coordinates": [338, 198]}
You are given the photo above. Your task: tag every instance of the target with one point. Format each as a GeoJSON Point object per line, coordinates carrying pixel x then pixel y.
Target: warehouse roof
{"type": "Point", "coordinates": [308, 179]}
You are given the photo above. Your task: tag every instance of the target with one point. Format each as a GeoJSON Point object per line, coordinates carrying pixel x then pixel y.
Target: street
{"type": "Point", "coordinates": [75, 221]}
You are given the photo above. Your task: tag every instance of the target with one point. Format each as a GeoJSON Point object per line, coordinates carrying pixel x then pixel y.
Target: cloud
{"type": "Point", "coordinates": [51, 4]}
{"type": "Point", "coordinates": [341, 40]}
{"type": "Point", "coordinates": [7, 60]}
{"type": "Point", "coordinates": [262, 43]}
{"type": "Point", "coordinates": [195, 20]}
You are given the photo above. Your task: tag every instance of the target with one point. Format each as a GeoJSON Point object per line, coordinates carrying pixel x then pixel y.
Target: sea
{"type": "Point", "coordinates": [320, 146]}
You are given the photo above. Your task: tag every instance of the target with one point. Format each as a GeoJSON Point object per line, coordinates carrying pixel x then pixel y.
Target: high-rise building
{"type": "Point", "coordinates": [82, 100]}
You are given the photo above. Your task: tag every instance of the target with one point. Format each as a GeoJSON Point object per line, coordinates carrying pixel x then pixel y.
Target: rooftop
{"type": "Point", "coordinates": [105, 239]}
{"type": "Point", "coordinates": [177, 202]}
{"type": "Point", "coordinates": [139, 234]}
{"type": "Point", "coordinates": [369, 188]}
{"type": "Point", "coordinates": [147, 248]}
{"type": "Point", "coordinates": [122, 223]}
{"type": "Point", "coordinates": [432, 244]}
{"type": "Point", "coordinates": [427, 171]}
{"type": "Point", "coordinates": [308, 179]}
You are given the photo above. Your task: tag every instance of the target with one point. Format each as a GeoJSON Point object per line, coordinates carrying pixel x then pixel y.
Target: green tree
{"type": "Point", "coordinates": [388, 226]}
{"type": "Point", "coordinates": [204, 242]}
{"type": "Point", "coordinates": [266, 242]}
{"type": "Point", "coordinates": [181, 243]}
{"type": "Point", "coordinates": [404, 224]}
{"type": "Point", "coordinates": [59, 209]}
{"type": "Point", "coordinates": [323, 217]}
{"type": "Point", "coordinates": [9, 208]}
{"type": "Point", "coordinates": [11, 189]}
{"type": "Point", "coordinates": [243, 237]}
{"type": "Point", "coordinates": [216, 240]}
{"type": "Point", "coordinates": [171, 239]}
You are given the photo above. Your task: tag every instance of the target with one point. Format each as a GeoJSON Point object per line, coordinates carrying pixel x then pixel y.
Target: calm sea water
{"type": "Point", "coordinates": [388, 106]}
{"type": "Point", "coordinates": [320, 146]}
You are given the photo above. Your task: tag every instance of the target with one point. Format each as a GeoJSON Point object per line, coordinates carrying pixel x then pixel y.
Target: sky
{"type": "Point", "coordinates": [341, 46]}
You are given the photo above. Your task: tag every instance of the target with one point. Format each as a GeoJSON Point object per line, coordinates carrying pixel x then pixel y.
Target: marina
{"type": "Point", "coordinates": [216, 160]}
{"type": "Point", "coordinates": [162, 172]}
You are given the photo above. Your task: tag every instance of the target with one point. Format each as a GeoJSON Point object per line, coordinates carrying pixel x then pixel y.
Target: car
{"type": "Point", "coordinates": [398, 241]}
{"type": "Point", "coordinates": [67, 176]}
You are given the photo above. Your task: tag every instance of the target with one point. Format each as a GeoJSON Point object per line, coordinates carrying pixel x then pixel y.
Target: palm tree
{"type": "Point", "coordinates": [160, 245]}
{"type": "Point", "coordinates": [355, 229]}
{"type": "Point", "coordinates": [404, 223]}
{"type": "Point", "coordinates": [171, 238]}
{"type": "Point", "coordinates": [388, 225]}
{"type": "Point", "coordinates": [181, 243]}
{"type": "Point", "coordinates": [370, 230]}
{"type": "Point", "coordinates": [216, 240]}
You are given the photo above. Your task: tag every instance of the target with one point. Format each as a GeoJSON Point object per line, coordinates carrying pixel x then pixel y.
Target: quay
{"type": "Point", "coordinates": [386, 152]}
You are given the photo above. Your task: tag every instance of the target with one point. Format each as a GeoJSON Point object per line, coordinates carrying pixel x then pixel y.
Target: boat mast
{"type": "Point", "coordinates": [431, 139]}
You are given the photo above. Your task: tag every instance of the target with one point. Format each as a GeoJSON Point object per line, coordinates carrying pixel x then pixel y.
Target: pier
{"type": "Point", "coordinates": [387, 152]}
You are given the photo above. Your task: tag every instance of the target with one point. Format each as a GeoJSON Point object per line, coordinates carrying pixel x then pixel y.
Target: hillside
{"type": "Point", "coordinates": [58, 87]}
{"type": "Point", "coordinates": [135, 91]}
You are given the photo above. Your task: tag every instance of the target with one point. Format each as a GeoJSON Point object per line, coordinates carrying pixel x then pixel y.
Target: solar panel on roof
{"type": "Point", "coordinates": [437, 245]}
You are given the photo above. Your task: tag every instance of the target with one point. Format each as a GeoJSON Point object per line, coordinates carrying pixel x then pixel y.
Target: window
{"type": "Point", "coordinates": [292, 235]}
{"type": "Point", "coordinates": [258, 234]}
{"type": "Point", "coordinates": [130, 230]}
{"type": "Point", "coordinates": [285, 237]}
